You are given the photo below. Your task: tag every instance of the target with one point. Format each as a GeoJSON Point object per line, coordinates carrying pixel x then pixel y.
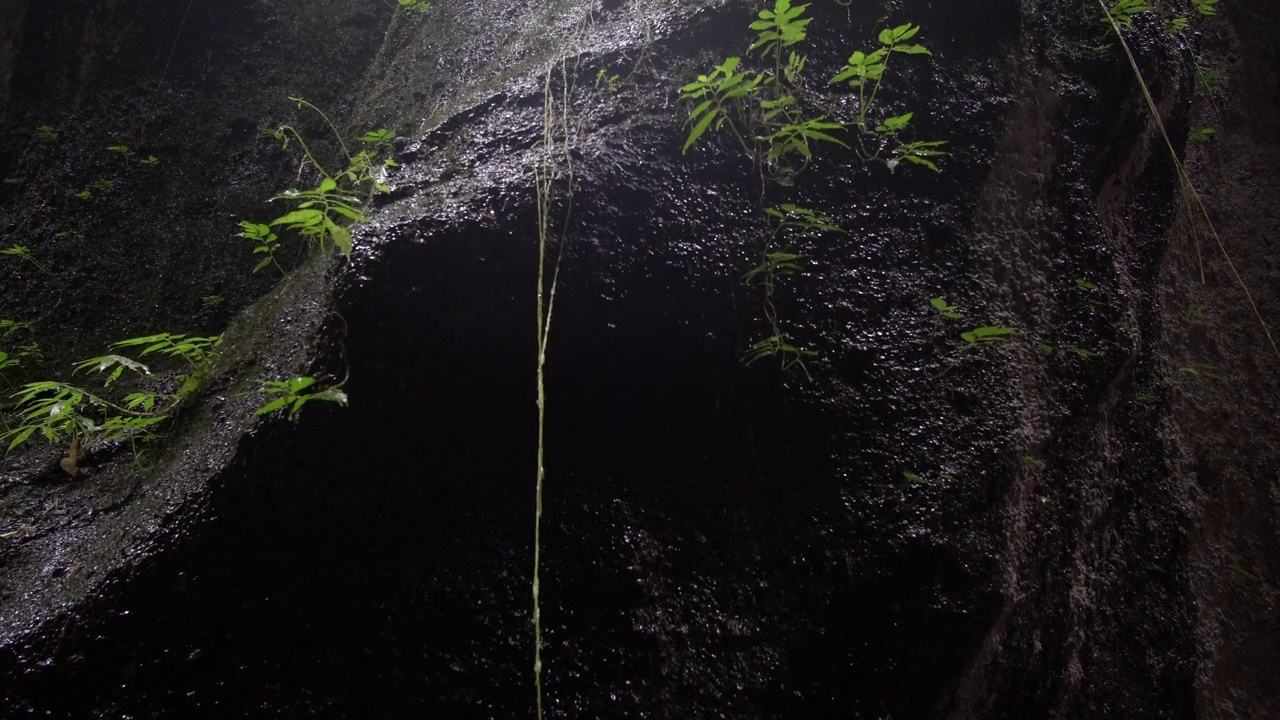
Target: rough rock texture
{"type": "Point", "coordinates": [1095, 534]}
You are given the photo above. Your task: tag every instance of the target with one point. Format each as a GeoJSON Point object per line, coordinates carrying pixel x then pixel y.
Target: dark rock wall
{"type": "Point", "coordinates": [1098, 533]}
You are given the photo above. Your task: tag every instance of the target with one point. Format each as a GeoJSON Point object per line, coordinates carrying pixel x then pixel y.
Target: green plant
{"type": "Point", "coordinates": [15, 181]}
{"type": "Point", "coordinates": [131, 157]}
{"type": "Point", "coordinates": [777, 346]}
{"type": "Point", "coordinates": [1206, 7]}
{"type": "Point", "coordinates": [945, 309]}
{"type": "Point", "coordinates": [84, 195]}
{"type": "Point", "coordinates": [986, 334]}
{"type": "Point", "coordinates": [792, 225]}
{"type": "Point", "coordinates": [211, 301]}
{"type": "Point", "coordinates": [61, 412]}
{"type": "Point", "coordinates": [319, 216]}
{"type": "Point", "coordinates": [1085, 353]}
{"type": "Point", "coordinates": [324, 213]}
{"type": "Point", "coordinates": [294, 393]}
{"type": "Point", "coordinates": [24, 252]}
{"type": "Point", "coordinates": [763, 108]}
{"type": "Point", "coordinates": [414, 7]}
{"type": "Point", "coordinates": [1124, 10]}
{"type": "Point", "coordinates": [47, 134]}
{"type": "Point", "coordinates": [1202, 133]}
{"type": "Point", "coordinates": [1091, 292]}
{"type": "Point", "coordinates": [267, 243]}
{"type": "Point", "coordinates": [608, 80]}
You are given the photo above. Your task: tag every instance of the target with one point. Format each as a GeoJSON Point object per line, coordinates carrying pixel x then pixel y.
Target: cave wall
{"type": "Point", "coordinates": [1097, 530]}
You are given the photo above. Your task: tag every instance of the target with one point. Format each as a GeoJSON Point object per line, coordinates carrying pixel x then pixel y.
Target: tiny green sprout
{"type": "Point", "coordinates": [945, 309]}
{"type": "Point", "coordinates": [1030, 460]}
{"type": "Point", "coordinates": [414, 7]}
{"type": "Point", "coordinates": [381, 136]}
{"type": "Point", "coordinates": [1047, 348]}
{"type": "Point", "coordinates": [24, 252]}
{"type": "Point", "coordinates": [47, 134]}
{"type": "Point", "coordinates": [1085, 285]}
{"type": "Point", "coordinates": [7, 362]}
{"type": "Point", "coordinates": [1206, 7]}
{"type": "Point", "coordinates": [1085, 353]}
{"type": "Point", "coordinates": [149, 161]}
{"type": "Point", "coordinates": [122, 150]}
{"type": "Point", "coordinates": [9, 327]}
{"type": "Point", "coordinates": [986, 333]}
{"type": "Point", "coordinates": [1245, 574]}
{"type": "Point", "coordinates": [918, 153]}
{"type": "Point", "coordinates": [777, 346]}
{"type": "Point", "coordinates": [1147, 397]}
{"type": "Point", "coordinates": [1203, 133]}
{"type": "Point", "coordinates": [913, 478]}
{"type": "Point", "coordinates": [15, 181]}
{"type": "Point", "coordinates": [1209, 79]}
{"type": "Point", "coordinates": [267, 243]}
{"type": "Point", "coordinates": [294, 394]}
{"type": "Point", "coordinates": [1199, 308]}
{"type": "Point", "coordinates": [84, 195]}
{"type": "Point", "coordinates": [1236, 326]}
{"type": "Point", "coordinates": [894, 124]}
{"type": "Point", "coordinates": [103, 185]}
{"type": "Point", "coordinates": [604, 78]}
{"type": "Point", "coordinates": [1124, 10]}
{"type": "Point", "coordinates": [69, 235]}
{"type": "Point", "coordinates": [1179, 23]}
{"type": "Point", "coordinates": [211, 301]}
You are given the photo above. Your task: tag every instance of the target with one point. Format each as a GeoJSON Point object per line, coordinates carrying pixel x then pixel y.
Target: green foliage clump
{"type": "Point", "coordinates": [323, 214]}
{"type": "Point", "coordinates": [64, 413]}
{"type": "Point", "coordinates": [294, 393]}
{"type": "Point", "coordinates": [759, 98]}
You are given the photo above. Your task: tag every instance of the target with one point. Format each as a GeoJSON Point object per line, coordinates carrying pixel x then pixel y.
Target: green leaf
{"type": "Point", "coordinates": [912, 49]}
{"type": "Point", "coordinates": [986, 333]}
{"type": "Point", "coordinates": [273, 406]}
{"type": "Point", "coordinates": [699, 129]}
{"type": "Point", "coordinates": [341, 238]}
{"type": "Point", "coordinates": [895, 123]}
{"type": "Point", "coordinates": [303, 218]}
{"type": "Point", "coordinates": [913, 478]}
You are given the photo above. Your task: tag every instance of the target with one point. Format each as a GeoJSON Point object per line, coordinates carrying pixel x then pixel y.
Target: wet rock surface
{"type": "Point", "coordinates": [1094, 534]}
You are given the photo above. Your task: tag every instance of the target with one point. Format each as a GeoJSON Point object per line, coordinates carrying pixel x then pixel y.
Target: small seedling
{"type": "Point", "coordinates": [604, 78]}
{"type": "Point", "coordinates": [24, 252]}
{"type": "Point", "coordinates": [945, 309]}
{"type": "Point", "coordinates": [1206, 7]}
{"type": "Point", "coordinates": [913, 478]}
{"type": "Point", "coordinates": [1209, 79]}
{"type": "Point", "coordinates": [47, 134]}
{"type": "Point", "coordinates": [69, 235]}
{"type": "Point", "coordinates": [103, 185]}
{"type": "Point", "coordinates": [267, 243]}
{"type": "Point", "coordinates": [414, 7]}
{"type": "Point", "coordinates": [132, 157]}
{"type": "Point", "coordinates": [211, 301]}
{"type": "Point", "coordinates": [15, 181]}
{"type": "Point", "coordinates": [84, 195]}
{"type": "Point", "coordinates": [1124, 10]}
{"type": "Point", "coordinates": [1085, 353]}
{"type": "Point", "coordinates": [293, 394]}
{"type": "Point", "coordinates": [777, 346]}
{"type": "Point", "coordinates": [986, 334]}
{"type": "Point", "coordinates": [1179, 24]}
{"type": "Point", "coordinates": [1203, 133]}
